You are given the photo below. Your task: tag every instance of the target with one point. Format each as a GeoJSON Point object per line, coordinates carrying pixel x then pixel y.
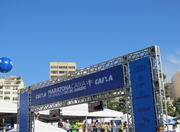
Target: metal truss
{"type": "Point", "coordinates": [102, 96]}
{"type": "Point", "coordinates": [127, 91]}
{"type": "Point", "coordinates": [152, 52]}
{"type": "Point", "coordinates": [18, 111]}
{"type": "Point", "coordinates": [159, 91]}
{"type": "Point", "coordinates": [95, 68]}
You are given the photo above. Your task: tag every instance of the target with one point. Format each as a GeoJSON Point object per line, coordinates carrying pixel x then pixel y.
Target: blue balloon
{"type": "Point", "coordinates": [5, 65]}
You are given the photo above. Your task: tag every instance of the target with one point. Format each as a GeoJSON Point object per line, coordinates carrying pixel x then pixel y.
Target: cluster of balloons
{"type": "Point", "coordinates": [5, 64]}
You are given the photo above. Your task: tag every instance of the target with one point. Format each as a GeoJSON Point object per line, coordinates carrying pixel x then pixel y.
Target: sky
{"type": "Point", "coordinates": [36, 32]}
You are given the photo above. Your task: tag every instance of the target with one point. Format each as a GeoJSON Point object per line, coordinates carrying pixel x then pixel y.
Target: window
{"type": "Point", "coordinates": [1, 92]}
{"type": "Point", "coordinates": [14, 92]}
{"type": "Point", "coordinates": [8, 87]}
{"type": "Point", "coordinates": [7, 93]}
{"type": "Point", "coordinates": [18, 78]}
{"type": "Point", "coordinates": [15, 98]}
{"type": "Point", "coordinates": [71, 67]}
{"type": "Point", "coordinates": [7, 82]}
{"type": "Point", "coordinates": [63, 67]}
{"type": "Point", "coordinates": [61, 72]}
{"type": "Point", "coordinates": [54, 72]}
{"type": "Point", "coordinates": [18, 82]}
{"type": "Point", "coordinates": [60, 67]}
{"type": "Point", "coordinates": [53, 77]}
{"type": "Point", "coordinates": [6, 98]}
{"type": "Point", "coordinates": [12, 79]}
{"type": "Point", "coordinates": [54, 67]}
{"type": "Point", "coordinates": [15, 88]}
{"type": "Point", "coordinates": [71, 71]}
{"type": "Point", "coordinates": [1, 97]}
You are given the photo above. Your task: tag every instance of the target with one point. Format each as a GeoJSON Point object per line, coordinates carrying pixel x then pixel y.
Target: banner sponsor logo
{"type": "Point", "coordinates": [94, 83]}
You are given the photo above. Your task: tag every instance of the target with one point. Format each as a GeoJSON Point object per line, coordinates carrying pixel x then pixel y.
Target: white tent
{"type": "Point", "coordinates": [82, 110]}
{"type": "Point", "coordinates": [75, 110]}
{"type": "Point", "coordinates": [44, 127]}
{"type": "Point", "coordinates": [7, 107]}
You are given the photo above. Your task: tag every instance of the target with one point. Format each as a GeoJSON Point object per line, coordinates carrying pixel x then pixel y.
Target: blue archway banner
{"type": "Point", "coordinates": [95, 83]}
{"type": "Point", "coordinates": [143, 96]}
{"type": "Point", "coordinates": [24, 112]}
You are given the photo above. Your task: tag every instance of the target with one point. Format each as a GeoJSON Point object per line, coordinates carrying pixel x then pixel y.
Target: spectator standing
{"type": "Point", "coordinates": [125, 126]}
{"type": "Point", "coordinates": [85, 126]}
{"type": "Point", "coordinates": [121, 127]}
{"type": "Point", "coordinates": [60, 123]}
{"type": "Point", "coordinates": [67, 126]}
{"type": "Point", "coordinates": [93, 127]}
{"type": "Point", "coordinates": [159, 129]}
{"type": "Point", "coordinates": [112, 126]}
{"type": "Point", "coordinates": [105, 127]}
{"type": "Point", "coordinates": [98, 126]}
{"type": "Point", "coordinates": [102, 127]}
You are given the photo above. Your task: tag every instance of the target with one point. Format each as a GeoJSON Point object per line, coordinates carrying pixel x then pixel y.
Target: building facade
{"type": "Point", "coordinates": [173, 87]}
{"type": "Point", "coordinates": [59, 69]}
{"type": "Point", "coordinates": [9, 87]}
{"type": "Point", "coordinates": [176, 85]}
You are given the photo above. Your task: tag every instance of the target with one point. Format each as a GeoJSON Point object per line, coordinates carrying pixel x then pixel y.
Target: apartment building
{"type": "Point", "coordinates": [9, 87]}
{"type": "Point", "coordinates": [173, 87]}
{"type": "Point", "coordinates": [176, 84]}
{"type": "Point", "coordinates": [59, 69]}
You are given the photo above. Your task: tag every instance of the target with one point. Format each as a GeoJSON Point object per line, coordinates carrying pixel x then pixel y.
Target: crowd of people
{"type": "Point", "coordinates": [95, 126]}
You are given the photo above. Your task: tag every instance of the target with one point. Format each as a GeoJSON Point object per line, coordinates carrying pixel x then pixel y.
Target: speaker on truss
{"type": "Point", "coordinates": [55, 113]}
{"type": "Point", "coordinates": [95, 106]}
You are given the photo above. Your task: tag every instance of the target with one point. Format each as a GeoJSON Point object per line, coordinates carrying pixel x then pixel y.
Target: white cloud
{"type": "Point", "coordinates": [173, 59]}
{"type": "Point", "coordinates": [171, 64]}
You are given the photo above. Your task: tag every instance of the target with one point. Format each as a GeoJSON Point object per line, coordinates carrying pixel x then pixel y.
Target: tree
{"type": "Point", "coordinates": [176, 104]}
{"type": "Point", "coordinates": [111, 104]}
{"type": "Point", "coordinates": [117, 104]}
{"type": "Point", "coordinates": [171, 109]}
{"type": "Point", "coordinates": [121, 105]}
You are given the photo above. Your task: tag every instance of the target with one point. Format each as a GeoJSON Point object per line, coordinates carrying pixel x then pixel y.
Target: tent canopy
{"type": "Point", "coordinates": [43, 127]}
{"type": "Point", "coordinates": [75, 110]}
{"type": "Point", "coordinates": [82, 110]}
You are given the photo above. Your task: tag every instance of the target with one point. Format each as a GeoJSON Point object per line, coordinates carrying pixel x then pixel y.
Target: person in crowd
{"type": "Point", "coordinates": [85, 126]}
{"type": "Point", "coordinates": [159, 129]}
{"type": "Point", "coordinates": [67, 126]}
{"type": "Point", "coordinates": [105, 126]}
{"type": "Point", "coordinates": [75, 127]}
{"type": "Point", "coordinates": [98, 125]}
{"type": "Point", "coordinates": [93, 127]}
{"type": "Point", "coordinates": [102, 127]}
{"type": "Point", "coordinates": [60, 123]}
{"type": "Point", "coordinates": [112, 126]}
{"type": "Point", "coordinates": [125, 126]}
{"type": "Point", "coordinates": [121, 127]}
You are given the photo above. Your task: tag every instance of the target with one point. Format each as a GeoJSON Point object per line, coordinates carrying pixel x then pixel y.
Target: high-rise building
{"type": "Point", "coordinates": [9, 87]}
{"type": "Point", "coordinates": [176, 84]}
{"type": "Point", "coordinates": [59, 69]}
{"type": "Point", "coordinates": [169, 92]}
{"type": "Point", "coordinates": [173, 88]}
